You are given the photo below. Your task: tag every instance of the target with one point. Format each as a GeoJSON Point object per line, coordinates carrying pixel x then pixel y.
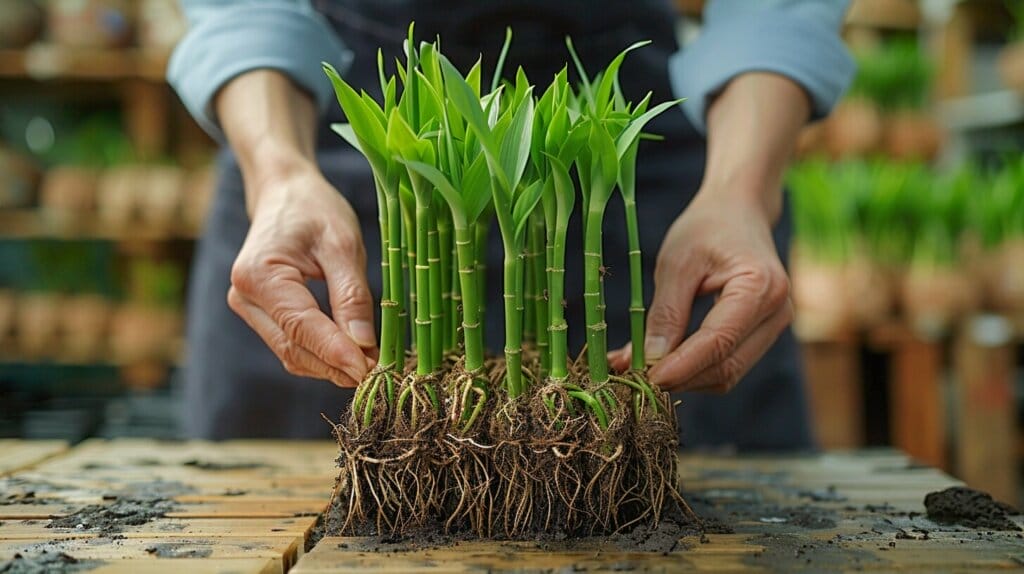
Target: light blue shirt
{"type": "Point", "coordinates": [798, 39]}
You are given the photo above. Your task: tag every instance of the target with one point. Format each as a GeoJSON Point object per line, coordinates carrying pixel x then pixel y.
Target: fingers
{"type": "Point", "coordinates": [746, 304]}
{"type": "Point", "coordinates": [280, 292]}
{"type": "Point", "coordinates": [722, 377]}
{"type": "Point", "coordinates": [349, 293]}
{"type": "Point", "coordinates": [619, 359]}
{"type": "Point", "coordinates": [295, 359]}
{"type": "Point", "coordinates": [675, 287]}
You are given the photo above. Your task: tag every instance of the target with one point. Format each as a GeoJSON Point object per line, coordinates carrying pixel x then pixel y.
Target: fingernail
{"type": "Point", "coordinates": [655, 348]}
{"type": "Point", "coordinates": [362, 333]}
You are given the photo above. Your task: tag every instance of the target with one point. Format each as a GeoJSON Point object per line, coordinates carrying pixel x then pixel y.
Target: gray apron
{"type": "Point", "coordinates": [235, 387]}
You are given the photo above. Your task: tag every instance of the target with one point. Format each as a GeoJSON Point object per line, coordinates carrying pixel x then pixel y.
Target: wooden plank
{"type": "Point", "coordinates": [18, 454]}
{"type": "Point", "coordinates": [54, 62]}
{"type": "Point", "coordinates": [986, 409]}
{"type": "Point", "coordinates": [190, 565]}
{"type": "Point", "coordinates": [917, 411]}
{"type": "Point", "coordinates": [832, 372]}
{"type": "Point", "coordinates": [279, 552]}
{"type": "Point", "coordinates": [225, 507]}
{"type": "Point", "coordinates": [170, 528]}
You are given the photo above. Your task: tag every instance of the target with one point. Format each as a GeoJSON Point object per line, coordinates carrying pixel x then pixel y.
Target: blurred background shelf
{"type": "Point", "coordinates": [44, 62]}
{"type": "Point", "coordinates": [25, 224]}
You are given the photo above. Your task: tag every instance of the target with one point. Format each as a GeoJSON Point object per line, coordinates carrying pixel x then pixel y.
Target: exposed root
{"type": "Point", "coordinates": [568, 456]}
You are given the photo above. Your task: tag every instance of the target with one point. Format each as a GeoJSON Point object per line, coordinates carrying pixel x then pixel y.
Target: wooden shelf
{"type": "Point", "coordinates": [50, 62]}
{"type": "Point", "coordinates": [33, 224]}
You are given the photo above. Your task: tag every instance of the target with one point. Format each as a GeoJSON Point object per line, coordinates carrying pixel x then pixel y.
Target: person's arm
{"type": "Point", "coordinates": [753, 79]}
{"type": "Point", "coordinates": [301, 228]}
{"type": "Point", "coordinates": [249, 72]}
{"type": "Point", "coordinates": [723, 242]}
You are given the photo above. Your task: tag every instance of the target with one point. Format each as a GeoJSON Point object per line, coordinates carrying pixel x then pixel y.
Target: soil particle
{"type": "Point", "coordinates": [971, 508]}
{"type": "Point", "coordinates": [172, 550]}
{"type": "Point", "coordinates": [111, 519]}
{"type": "Point", "coordinates": [828, 494]}
{"type": "Point", "coordinates": [27, 497]}
{"type": "Point", "coordinates": [45, 563]}
{"type": "Point", "coordinates": [215, 466]}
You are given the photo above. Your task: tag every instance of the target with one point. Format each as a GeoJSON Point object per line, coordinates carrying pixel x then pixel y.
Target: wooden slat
{"type": "Point", "coordinates": [190, 565]}
{"type": "Point", "coordinates": [918, 409]}
{"type": "Point", "coordinates": [170, 528]}
{"type": "Point", "coordinates": [986, 409]}
{"type": "Point", "coordinates": [19, 454]}
{"type": "Point", "coordinates": [832, 372]}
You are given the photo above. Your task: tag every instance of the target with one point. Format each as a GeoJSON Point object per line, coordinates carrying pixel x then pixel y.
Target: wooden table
{"type": "Point", "coordinates": [251, 506]}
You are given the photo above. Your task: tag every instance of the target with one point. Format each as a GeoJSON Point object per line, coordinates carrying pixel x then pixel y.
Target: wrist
{"type": "Point", "coordinates": [749, 194]}
{"type": "Point", "coordinates": [268, 170]}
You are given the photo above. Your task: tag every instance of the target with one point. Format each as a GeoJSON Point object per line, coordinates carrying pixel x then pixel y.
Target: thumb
{"type": "Point", "coordinates": [668, 317]}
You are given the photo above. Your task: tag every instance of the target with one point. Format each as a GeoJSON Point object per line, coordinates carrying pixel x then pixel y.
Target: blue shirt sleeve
{"type": "Point", "coordinates": [227, 38]}
{"type": "Point", "coordinates": [798, 39]}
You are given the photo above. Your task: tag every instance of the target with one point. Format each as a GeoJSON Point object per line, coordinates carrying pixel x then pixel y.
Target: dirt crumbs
{"type": "Point", "coordinates": [111, 519]}
{"type": "Point", "coordinates": [46, 563]}
{"type": "Point", "coordinates": [172, 550]}
{"type": "Point", "coordinates": [663, 538]}
{"type": "Point", "coordinates": [214, 466]}
{"type": "Point", "coordinates": [968, 507]}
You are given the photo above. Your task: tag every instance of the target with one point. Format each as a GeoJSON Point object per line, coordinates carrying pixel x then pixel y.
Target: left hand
{"type": "Point", "coordinates": [722, 243]}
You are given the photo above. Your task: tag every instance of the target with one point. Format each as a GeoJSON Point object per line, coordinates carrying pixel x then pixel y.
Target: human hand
{"type": "Point", "coordinates": [302, 228]}
{"type": "Point", "coordinates": [721, 244]}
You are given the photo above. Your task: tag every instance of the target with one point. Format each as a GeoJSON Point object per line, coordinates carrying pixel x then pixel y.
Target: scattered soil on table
{"type": "Point", "coordinates": [111, 519]}
{"type": "Point", "coordinates": [27, 497]}
{"type": "Point", "coordinates": [46, 563]}
{"type": "Point", "coordinates": [971, 508]}
{"type": "Point", "coordinates": [214, 466]}
{"type": "Point", "coordinates": [173, 550]}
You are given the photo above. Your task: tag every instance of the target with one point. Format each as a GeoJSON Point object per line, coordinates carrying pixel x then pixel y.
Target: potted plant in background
{"type": "Point", "coordinates": [148, 325]}
{"type": "Point", "coordinates": [1011, 57]}
{"type": "Point", "coordinates": [1001, 224]}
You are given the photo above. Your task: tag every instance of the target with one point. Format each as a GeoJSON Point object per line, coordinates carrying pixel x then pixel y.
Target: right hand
{"type": "Point", "coordinates": [302, 229]}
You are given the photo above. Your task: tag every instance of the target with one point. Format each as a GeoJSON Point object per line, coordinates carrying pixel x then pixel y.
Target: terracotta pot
{"type": "Point", "coordinates": [854, 129]}
{"type": "Point", "coordinates": [871, 291]}
{"type": "Point", "coordinates": [160, 203]}
{"type": "Point", "coordinates": [37, 324]}
{"type": "Point", "coordinates": [197, 197]}
{"type": "Point", "coordinates": [934, 298]}
{"type": "Point", "coordinates": [141, 332]}
{"type": "Point", "coordinates": [85, 319]}
{"type": "Point", "coordinates": [1011, 66]}
{"type": "Point", "coordinates": [820, 299]}
{"type": "Point", "coordinates": [21, 23]}
{"type": "Point", "coordinates": [912, 135]}
{"type": "Point", "coordinates": [68, 193]}
{"type": "Point", "coordinates": [117, 195]}
{"type": "Point", "coordinates": [90, 23]}
{"type": "Point", "coordinates": [1005, 278]}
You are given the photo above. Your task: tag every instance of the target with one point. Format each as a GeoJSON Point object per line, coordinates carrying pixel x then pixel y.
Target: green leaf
{"type": "Point", "coordinates": [473, 78]}
{"type": "Point", "coordinates": [467, 103]}
{"type": "Point", "coordinates": [610, 76]}
{"type": "Point", "coordinates": [524, 205]}
{"type": "Point", "coordinates": [444, 187]}
{"type": "Point", "coordinates": [587, 90]}
{"type": "Point", "coordinates": [500, 66]}
{"type": "Point", "coordinates": [632, 132]}
{"type": "Point", "coordinates": [565, 191]}
{"type": "Point", "coordinates": [348, 134]}
{"type": "Point", "coordinates": [476, 188]}
{"type": "Point", "coordinates": [366, 125]}
{"type": "Point", "coordinates": [604, 168]}
{"type": "Point", "coordinates": [515, 144]}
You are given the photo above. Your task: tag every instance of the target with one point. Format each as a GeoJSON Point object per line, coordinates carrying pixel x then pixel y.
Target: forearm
{"type": "Point", "coordinates": [752, 128]}
{"type": "Point", "coordinates": [271, 125]}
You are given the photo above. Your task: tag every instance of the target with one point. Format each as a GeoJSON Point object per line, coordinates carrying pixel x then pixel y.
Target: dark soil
{"type": "Point", "coordinates": [111, 519]}
{"type": "Point", "coordinates": [46, 563]}
{"type": "Point", "coordinates": [173, 550]}
{"type": "Point", "coordinates": [28, 497]}
{"type": "Point", "coordinates": [971, 508]}
{"type": "Point", "coordinates": [212, 465]}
